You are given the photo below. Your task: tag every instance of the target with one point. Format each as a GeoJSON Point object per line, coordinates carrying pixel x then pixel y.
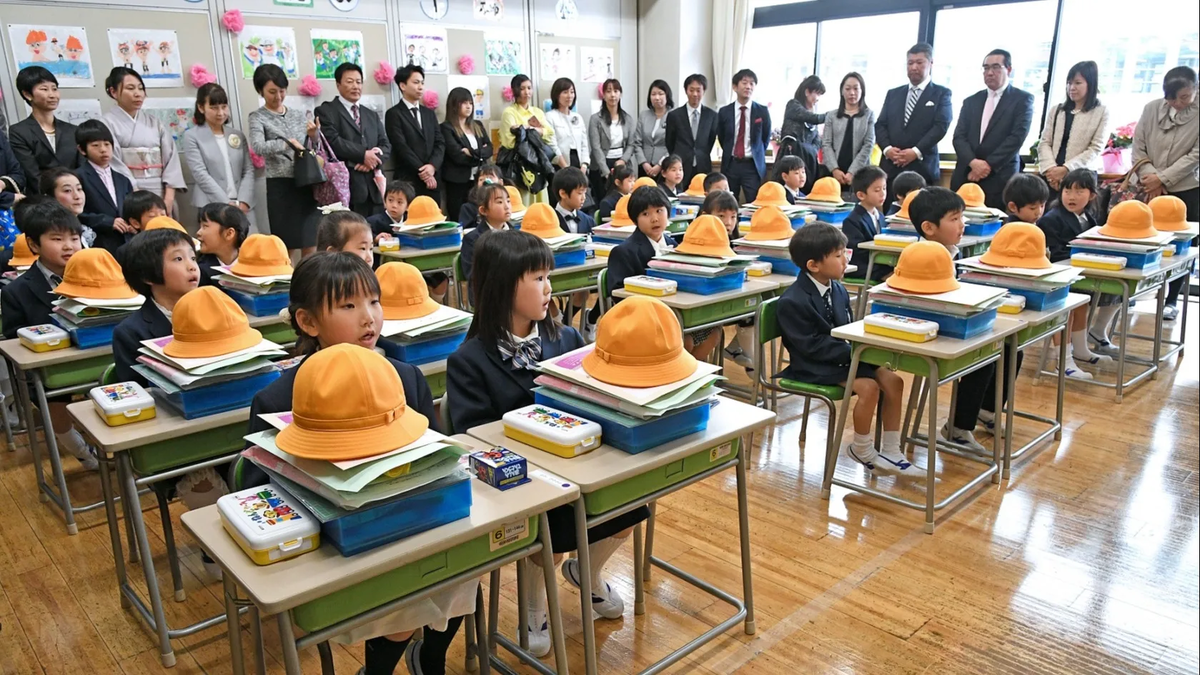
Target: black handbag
{"type": "Point", "coordinates": [307, 170]}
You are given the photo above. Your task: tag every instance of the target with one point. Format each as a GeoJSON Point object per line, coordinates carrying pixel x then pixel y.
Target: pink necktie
{"type": "Point", "coordinates": [988, 109]}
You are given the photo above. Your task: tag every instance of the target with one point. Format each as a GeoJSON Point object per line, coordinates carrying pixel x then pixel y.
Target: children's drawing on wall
{"type": "Point", "coordinates": [175, 113]}
{"type": "Point", "coordinates": [76, 110]}
{"type": "Point", "coordinates": [258, 45]}
{"type": "Point", "coordinates": [426, 47]}
{"type": "Point", "coordinates": [332, 48]}
{"type": "Point", "coordinates": [152, 53]}
{"type": "Point", "coordinates": [489, 9]}
{"type": "Point", "coordinates": [63, 50]}
{"type": "Point", "coordinates": [597, 63]}
{"type": "Point", "coordinates": [505, 54]}
{"type": "Point", "coordinates": [478, 86]}
{"type": "Point", "coordinates": [565, 10]}
{"type": "Point", "coordinates": [558, 61]}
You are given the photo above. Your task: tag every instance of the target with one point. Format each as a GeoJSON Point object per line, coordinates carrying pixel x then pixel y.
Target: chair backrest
{"type": "Point", "coordinates": [768, 324]}
{"type": "Point", "coordinates": [601, 290]}
{"type": "Point", "coordinates": [444, 415]}
{"type": "Point", "coordinates": [110, 374]}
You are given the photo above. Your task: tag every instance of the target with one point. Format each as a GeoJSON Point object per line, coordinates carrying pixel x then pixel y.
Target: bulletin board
{"type": "Point", "coordinates": [585, 92]}
{"type": "Point", "coordinates": [463, 42]}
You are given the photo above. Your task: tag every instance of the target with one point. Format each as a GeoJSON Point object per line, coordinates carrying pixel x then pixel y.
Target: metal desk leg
{"type": "Point", "coordinates": [55, 460]}
{"type": "Point", "coordinates": [639, 592]}
{"type": "Point", "coordinates": [907, 429]}
{"type": "Point", "coordinates": [924, 392]}
{"type": "Point", "coordinates": [649, 544]}
{"type": "Point", "coordinates": [744, 532]}
{"type": "Point", "coordinates": [931, 469]}
{"type": "Point", "coordinates": [1160, 304]}
{"type": "Point", "coordinates": [260, 654]}
{"type": "Point", "coordinates": [1123, 318]}
{"type": "Point", "coordinates": [164, 512]}
{"type": "Point", "coordinates": [129, 494]}
{"type": "Point", "coordinates": [287, 639]}
{"type": "Point", "coordinates": [523, 603]}
{"type": "Point", "coordinates": [233, 626]}
{"type": "Point", "coordinates": [585, 587]}
{"type": "Point", "coordinates": [1002, 375]}
{"type": "Point", "coordinates": [130, 535]}
{"type": "Point", "coordinates": [557, 638]}
{"type": "Point", "coordinates": [1011, 380]}
{"type": "Point", "coordinates": [834, 449]}
{"type": "Point", "coordinates": [494, 610]}
{"type": "Point", "coordinates": [470, 631]}
{"type": "Point", "coordinates": [114, 530]}
{"type": "Point", "coordinates": [22, 392]}
{"type": "Point", "coordinates": [1062, 380]}
{"type": "Point", "coordinates": [860, 303]}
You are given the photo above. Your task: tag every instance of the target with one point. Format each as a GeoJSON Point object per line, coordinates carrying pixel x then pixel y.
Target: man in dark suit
{"type": "Point", "coordinates": [413, 130]}
{"type": "Point", "coordinates": [692, 129]}
{"type": "Point", "coordinates": [992, 127]}
{"type": "Point", "coordinates": [744, 129]}
{"type": "Point", "coordinates": [357, 138]}
{"type": "Point", "coordinates": [914, 118]}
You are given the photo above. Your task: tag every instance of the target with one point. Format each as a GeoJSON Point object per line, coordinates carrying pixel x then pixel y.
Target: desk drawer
{"type": "Point", "coordinates": [1035, 331]}
{"type": "Point", "coordinates": [76, 372]}
{"type": "Point", "coordinates": [176, 452]}
{"type": "Point", "coordinates": [437, 261]}
{"type": "Point", "coordinates": [699, 316]}
{"type": "Point", "coordinates": [437, 384]}
{"type": "Point", "coordinates": [613, 496]}
{"type": "Point", "coordinates": [917, 366]}
{"type": "Point", "coordinates": [279, 333]}
{"type": "Point", "coordinates": [573, 281]}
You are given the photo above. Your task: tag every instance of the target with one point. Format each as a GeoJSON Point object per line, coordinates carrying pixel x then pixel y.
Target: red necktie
{"type": "Point", "coordinates": [739, 145]}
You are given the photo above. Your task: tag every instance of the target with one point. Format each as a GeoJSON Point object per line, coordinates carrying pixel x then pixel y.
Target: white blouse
{"type": "Point", "coordinates": [616, 136]}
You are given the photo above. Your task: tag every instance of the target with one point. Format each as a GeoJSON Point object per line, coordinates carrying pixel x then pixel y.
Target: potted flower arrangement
{"type": "Point", "coordinates": [1116, 153]}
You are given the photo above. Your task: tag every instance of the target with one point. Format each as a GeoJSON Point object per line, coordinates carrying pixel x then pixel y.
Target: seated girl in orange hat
{"type": "Point", "coordinates": [493, 372]}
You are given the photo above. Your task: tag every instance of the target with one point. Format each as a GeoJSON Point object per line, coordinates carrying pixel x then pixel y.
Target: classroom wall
{"type": "Point", "coordinates": [675, 41]}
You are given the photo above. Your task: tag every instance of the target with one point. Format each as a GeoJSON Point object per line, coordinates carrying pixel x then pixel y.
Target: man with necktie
{"type": "Point", "coordinates": [914, 119]}
{"type": "Point", "coordinates": [357, 138]}
{"type": "Point", "coordinates": [744, 130]}
{"type": "Point", "coordinates": [413, 130]}
{"type": "Point", "coordinates": [992, 126]}
{"type": "Point", "coordinates": [692, 129]}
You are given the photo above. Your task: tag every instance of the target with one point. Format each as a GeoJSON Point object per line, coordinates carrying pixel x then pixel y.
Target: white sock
{"type": "Point", "coordinates": [749, 338]}
{"type": "Point", "coordinates": [861, 442]}
{"type": "Point", "coordinates": [1079, 345]}
{"type": "Point", "coordinates": [1103, 320]}
{"type": "Point", "coordinates": [600, 552]}
{"type": "Point", "coordinates": [891, 441]}
{"type": "Point", "coordinates": [72, 442]}
{"type": "Point", "coordinates": [537, 587]}
{"type": "Point", "coordinates": [734, 345]}
{"type": "Point", "coordinates": [987, 416]}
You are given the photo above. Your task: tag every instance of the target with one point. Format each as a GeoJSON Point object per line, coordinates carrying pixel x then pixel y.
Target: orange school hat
{"type": "Point", "coordinates": [1170, 214]}
{"type": "Point", "coordinates": [644, 181]}
{"type": "Point", "coordinates": [696, 187]}
{"type": "Point", "coordinates": [770, 194]}
{"type": "Point", "coordinates": [348, 403]}
{"type": "Point", "coordinates": [639, 344]}
{"type": "Point", "coordinates": [514, 198]}
{"type": "Point", "coordinates": [826, 189]}
{"type": "Point", "coordinates": [924, 267]}
{"type": "Point", "coordinates": [262, 255]}
{"type": "Point", "coordinates": [769, 224]}
{"type": "Point", "coordinates": [1130, 220]}
{"type": "Point", "coordinates": [620, 214]}
{"type": "Point", "coordinates": [541, 221]}
{"type": "Point", "coordinates": [972, 195]}
{"type": "Point", "coordinates": [403, 293]}
{"type": "Point", "coordinates": [206, 323]}
{"type": "Point", "coordinates": [163, 223]}
{"type": "Point", "coordinates": [706, 236]}
{"type": "Point", "coordinates": [903, 212]}
{"type": "Point", "coordinates": [1018, 245]}
{"type": "Point", "coordinates": [94, 273]}
{"type": "Point", "coordinates": [22, 256]}
{"type": "Point", "coordinates": [424, 211]}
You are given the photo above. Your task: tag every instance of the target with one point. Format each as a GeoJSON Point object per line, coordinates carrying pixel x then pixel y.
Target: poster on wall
{"type": "Point", "coordinates": [557, 61]}
{"type": "Point", "coordinates": [153, 53]}
{"type": "Point", "coordinates": [426, 47]}
{"type": "Point", "coordinates": [492, 10]}
{"type": "Point", "coordinates": [332, 48]}
{"type": "Point", "coordinates": [504, 53]}
{"type": "Point", "coordinates": [174, 113]}
{"type": "Point", "coordinates": [478, 86]}
{"type": "Point", "coordinates": [63, 50]}
{"type": "Point", "coordinates": [565, 10]}
{"type": "Point", "coordinates": [258, 45]}
{"type": "Point", "coordinates": [596, 63]}
{"type": "Point", "coordinates": [76, 110]}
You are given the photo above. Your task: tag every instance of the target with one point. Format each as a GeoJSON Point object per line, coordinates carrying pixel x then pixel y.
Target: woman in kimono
{"type": "Point", "coordinates": [144, 150]}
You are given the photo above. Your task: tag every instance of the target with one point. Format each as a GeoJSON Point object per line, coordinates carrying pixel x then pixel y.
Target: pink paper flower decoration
{"type": "Point", "coordinates": [507, 93]}
{"type": "Point", "coordinates": [600, 90]}
{"type": "Point", "coordinates": [384, 73]}
{"type": "Point", "coordinates": [430, 99]}
{"type": "Point", "coordinates": [466, 64]}
{"type": "Point", "coordinates": [201, 76]}
{"type": "Point", "coordinates": [257, 159]}
{"type": "Point", "coordinates": [233, 21]}
{"type": "Point", "coordinates": [309, 86]}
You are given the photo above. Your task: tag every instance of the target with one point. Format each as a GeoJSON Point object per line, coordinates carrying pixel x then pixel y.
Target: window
{"type": "Point", "coordinates": [872, 46]}
{"type": "Point", "coordinates": [1024, 29]}
{"type": "Point", "coordinates": [780, 70]}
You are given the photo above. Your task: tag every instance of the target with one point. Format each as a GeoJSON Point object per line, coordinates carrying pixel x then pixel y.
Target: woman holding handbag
{"type": "Point", "coordinates": [275, 131]}
{"type": "Point", "coordinates": [467, 148]}
{"type": "Point", "coordinates": [1075, 130]}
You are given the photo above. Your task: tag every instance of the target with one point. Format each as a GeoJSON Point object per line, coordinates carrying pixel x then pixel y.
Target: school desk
{"type": "Point", "coordinates": [435, 377]}
{"type": "Point", "coordinates": [71, 371]}
{"type": "Point", "coordinates": [613, 482]}
{"type": "Point", "coordinates": [326, 594]}
{"type": "Point", "coordinates": [428, 260]}
{"type": "Point", "coordinates": [166, 446]}
{"type": "Point", "coordinates": [968, 246]}
{"type": "Point", "coordinates": [940, 361]}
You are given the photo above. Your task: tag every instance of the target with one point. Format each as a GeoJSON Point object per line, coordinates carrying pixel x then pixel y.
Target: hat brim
{"type": "Point", "coordinates": [22, 262]}
{"type": "Point", "coordinates": [1000, 260]}
{"type": "Point", "coordinates": [424, 308]}
{"type": "Point", "coordinates": [548, 234]}
{"type": "Point", "coordinates": [695, 193]}
{"type": "Point", "coordinates": [205, 350]}
{"type": "Point", "coordinates": [836, 199]}
{"type": "Point", "coordinates": [770, 236]}
{"type": "Point", "coordinates": [242, 269]}
{"type": "Point", "coordinates": [1144, 233]}
{"type": "Point", "coordinates": [344, 445]}
{"type": "Point", "coordinates": [709, 251]}
{"type": "Point", "coordinates": [620, 222]}
{"type": "Point", "coordinates": [640, 376]}
{"type": "Point", "coordinates": [770, 202]}
{"type": "Point", "coordinates": [976, 205]}
{"type": "Point", "coordinates": [923, 286]}
{"type": "Point", "coordinates": [433, 220]}
{"type": "Point", "coordinates": [1168, 226]}
{"type": "Point", "coordinates": [71, 290]}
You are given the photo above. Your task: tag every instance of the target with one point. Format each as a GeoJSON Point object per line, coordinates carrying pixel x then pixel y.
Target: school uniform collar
{"type": "Point", "coordinates": [954, 252]}
{"type": "Point", "coordinates": [349, 106]}
{"type": "Point", "coordinates": [502, 227]}
{"type": "Point", "coordinates": [822, 289]}
{"type": "Point", "coordinates": [661, 246]}
{"type": "Point", "coordinates": [165, 312]}
{"type": "Point", "coordinates": [47, 274]}
{"type": "Point", "coordinates": [533, 335]}
{"type": "Point", "coordinates": [101, 170]}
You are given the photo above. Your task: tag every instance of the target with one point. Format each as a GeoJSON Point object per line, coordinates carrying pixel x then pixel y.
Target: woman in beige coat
{"type": "Point", "coordinates": [1075, 130]}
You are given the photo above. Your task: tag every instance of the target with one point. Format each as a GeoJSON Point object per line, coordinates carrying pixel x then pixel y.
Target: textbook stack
{"type": "Point", "coordinates": [1100, 251]}
{"type": "Point", "coordinates": [434, 235]}
{"type": "Point", "coordinates": [198, 387]}
{"type": "Point", "coordinates": [425, 339]}
{"type": "Point", "coordinates": [798, 214]}
{"type": "Point", "coordinates": [91, 321]}
{"type": "Point", "coordinates": [681, 214]}
{"type": "Point", "coordinates": [257, 296]}
{"type": "Point", "coordinates": [702, 275]}
{"type": "Point", "coordinates": [774, 252]}
{"type": "Point", "coordinates": [568, 249]}
{"type": "Point", "coordinates": [612, 234]}
{"type": "Point", "coordinates": [982, 221]}
{"type": "Point", "coordinates": [1042, 289]}
{"type": "Point", "coordinates": [962, 313]}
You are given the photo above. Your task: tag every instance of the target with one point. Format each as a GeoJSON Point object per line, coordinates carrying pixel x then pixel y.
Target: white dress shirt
{"type": "Point", "coordinates": [822, 289]}
{"type": "Point", "coordinates": [411, 107]}
{"type": "Point", "coordinates": [749, 125]}
{"type": "Point", "coordinates": [660, 246]}
{"type": "Point", "coordinates": [106, 178]}
{"type": "Point", "coordinates": [920, 90]}
{"type": "Point", "coordinates": [616, 137]}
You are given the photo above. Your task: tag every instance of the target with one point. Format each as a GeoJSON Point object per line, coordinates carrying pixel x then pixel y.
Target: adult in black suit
{"type": "Point", "coordinates": [31, 137]}
{"type": "Point", "coordinates": [468, 147]}
{"type": "Point", "coordinates": [357, 138]}
{"type": "Point", "coordinates": [692, 130]}
{"type": "Point", "coordinates": [915, 117]}
{"type": "Point", "coordinates": [416, 139]}
{"type": "Point", "coordinates": [992, 127]}
{"type": "Point", "coordinates": [744, 130]}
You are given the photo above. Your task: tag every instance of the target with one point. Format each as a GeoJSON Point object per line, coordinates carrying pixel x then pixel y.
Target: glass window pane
{"type": "Point", "coordinates": [779, 70]}
{"type": "Point", "coordinates": [1132, 60]}
{"type": "Point", "coordinates": [959, 48]}
{"type": "Point", "coordinates": [872, 46]}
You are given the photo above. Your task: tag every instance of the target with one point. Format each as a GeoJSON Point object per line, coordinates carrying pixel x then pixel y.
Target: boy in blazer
{"type": "Point", "coordinates": [692, 129]}
{"type": "Point", "coordinates": [53, 235]}
{"type": "Point", "coordinates": [104, 188]}
{"type": "Point", "coordinates": [648, 207]}
{"type": "Point", "coordinates": [744, 130]}
{"type": "Point", "coordinates": [357, 138]}
{"type": "Point", "coordinates": [910, 136]}
{"type": "Point", "coordinates": [570, 186]}
{"type": "Point", "coordinates": [415, 135]}
{"type": "Point", "coordinates": [866, 220]}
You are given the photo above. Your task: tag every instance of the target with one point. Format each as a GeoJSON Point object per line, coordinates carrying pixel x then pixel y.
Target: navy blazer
{"type": "Point", "coordinates": [928, 124]}
{"type": "Point", "coordinates": [481, 386]}
{"type": "Point", "coordinates": [32, 149]}
{"type": "Point", "coordinates": [586, 223]}
{"type": "Point", "coordinates": [206, 262]}
{"type": "Point", "coordinates": [147, 323]}
{"type": "Point", "coordinates": [1001, 147]}
{"type": "Point", "coordinates": [14, 174]}
{"type": "Point", "coordinates": [1061, 226]}
{"type": "Point", "coordinates": [607, 205]}
{"type": "Point", "coordinates": [629, 258]}
{"type": "Point", "coordinates": [468, 215]}
{"type": "Point", "coordinates": [858, 227]}
{"type": "Point", "coordinates": [759, 130]}
{"type": "Point", "coordinates": [26, 302]}
{"type": "Point", "coordinates": [816, 357]}
{"type": "Point", "coordinates": [99, 211]}
{"type": "Point", "coordinates": [381, 223]}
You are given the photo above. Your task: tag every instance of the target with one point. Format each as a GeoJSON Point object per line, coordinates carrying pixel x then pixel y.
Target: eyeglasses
{"type": "Point", "coordinates": [995, 67]}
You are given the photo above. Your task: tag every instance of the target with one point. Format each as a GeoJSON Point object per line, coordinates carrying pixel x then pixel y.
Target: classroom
{"type": "Point", "coordinates": [376, 336]}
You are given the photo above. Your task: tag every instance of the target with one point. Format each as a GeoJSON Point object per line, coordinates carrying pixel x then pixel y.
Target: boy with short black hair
{"type": "Point", "coordinates": [866, 220]}
{"type": "Point", "coordinates": [716, 181]}
{"type": "Point", "coordinates": [937, 213]}
{"type": "Point", "coordinates": [790, 173]}
{"type": "Point", "coordinates": [620, 183]}
{"type": "Point", "coordinates": [1025, 197]}
{"type": "Point", "coordinates": [906, 182]}
{"type": "Point", "coordinates": [140, 206]}
{"type": "Point", "coordinates": [570, 185]}
{"type": "Point", "coordinates": [104, 189]}
{"type": "Point", "coordinates": [808, 310]}
{"type": "Point", "coordinates": [649, 209]}
{"type": "Point", "coordinates": [396, 198]}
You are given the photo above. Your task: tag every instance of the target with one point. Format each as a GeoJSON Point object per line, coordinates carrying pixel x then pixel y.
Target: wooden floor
{"type": "Point", "coordinates": [1086, 561]}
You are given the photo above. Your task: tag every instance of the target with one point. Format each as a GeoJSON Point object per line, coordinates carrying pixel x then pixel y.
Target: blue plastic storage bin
{"type": "Point", "coordinates": [1038, 300]}
{"type": "Point", "coordinates": [1137, 261]}
{"type": "Point", "coordinates": [628, 433]}
{"type": "Point", "coordinates": [601, 239]}
{"type": "Point", "coordinates": [781, 266]}
{"type": "Point", "coordinates": [88, 336]}
{"type": "Point", "coordinates": [1182, 246]}
{"type": "Point", "coordinates": [423, 351]}
{"type": "Point", "coordinates": [958, 327]}
{"type": "Point", "coordinates": [702, 285]}
{"type": "Point", "coordinates": [836, 218]}
{"type": "Point", "coordinates": [419, 511]}
{"type": "Point", "coordinates": [570, 258]}
{"type": "Point", "coordinates": [258, 305]}
{"type": "Point", "coordinates": [431, 241]}
{"type": "Point", "coordinates": [218, 398]}
{"type": "Point", "coordinates": [983, 229]}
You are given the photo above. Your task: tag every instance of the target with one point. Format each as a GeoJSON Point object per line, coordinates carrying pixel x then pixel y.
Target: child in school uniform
{"type": "Point", "coordinates": [141, 206]}
{"type": "Point", "coordinates": [706, 236]}
{"type": "Point", "coordinates": [104, 188]}
{"type": "Point", "coordinates": [223, 230]}
{"type": "Point", "coordinates": [866, 220]}
{"type": "Point", "coordinates": [647, 208]}
{"type": "Point", "coordinates": [494, 212]}
{"type": "Point", "coordinates": [63, 184]}
{"type": "Point", "coordinates": [620, 184]}
{"type": "Point", "coordinates": [493, 372]}
{"type": "Point", "coordinates": [468, 213]}
{"type": "Point", "coordinates": [808, 310]}
{"type": "Point", "coordinates": [905, 182]}
{"type": "Point", "coordinates": [570, 185]}
{"type": "Point", "coordinates": [346, 231]}
{"type": "Point", "coordinates": [789, 172]}
{"type": "Point", "coordinates": [1025, 197]}
{"type": "Point", "coordinates": [716, 181]}
{"type": "Point", "coordinates": [723, 206]}
{"type": "Point", "coordinates": [396, 199]}
{"type": "Point", "coordinates": [671, 176]}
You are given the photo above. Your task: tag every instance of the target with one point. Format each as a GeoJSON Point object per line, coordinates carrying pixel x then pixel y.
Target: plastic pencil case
{"type": "Point", "coordinates": [900, 327]}
{"type": "Point", "coordinates": [630, 434]}
{"type": "Point", "coordinates": [1042, 300]}
{"type": "Point", "coordinates": [570, 258]}
{"type": "Point", "coordinates": [1098, 261]}
{"type": "Point", "coordinates": [1013, 304]}
{"type": "Point", "coordinates": [601, 248]}
{"type": "Point", "coordinates": [269, 524]}
{"type": "Point", "coordinates": [389, 244]}
{"type": "Point", "coordinates": [422, 351]}
{"type": "Point", "coordinates": [424, 509]}
{"type": "Point", "coordinates": [554, 431]}
{"type": "Point", "coordinates": [957, 327]}
{"type": "Point", "coordinates": [781, 266]}
{"type": "Point", "coordinates": [896, 240]}
{"type": "Point", "coordinates": [983, 229]}
{"type": "Point", "coordinates": [761, 268]}
{"type": "Point", "coordinates": [259, 305]}
{"type": "Point", "coordinates": [648, 285]}
{"type": "Point", "coordinates": [123, 403]}
{"type": "Point", "coordinates": [86, 337]}
{"type": "Point", "coordinates": [1137, 261]}
{"type": "Point", "coordinates": [834, 218]}
{"type": "Point", "coordinates": [44, 337]}
{"type": "Point", "coordinates": [431, 241]}
{"type": "Point", "coordinates": [220, 397]}
{"type": "Point", "coordinates": [702, 285]}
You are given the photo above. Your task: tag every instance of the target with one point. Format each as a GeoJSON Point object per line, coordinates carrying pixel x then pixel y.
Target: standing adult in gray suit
{"type": "Point", "coordinates": [218, 155]}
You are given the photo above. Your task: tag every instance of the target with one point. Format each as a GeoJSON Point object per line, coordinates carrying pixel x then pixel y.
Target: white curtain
{"type": "Point", "coordinates": [732, 20]}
